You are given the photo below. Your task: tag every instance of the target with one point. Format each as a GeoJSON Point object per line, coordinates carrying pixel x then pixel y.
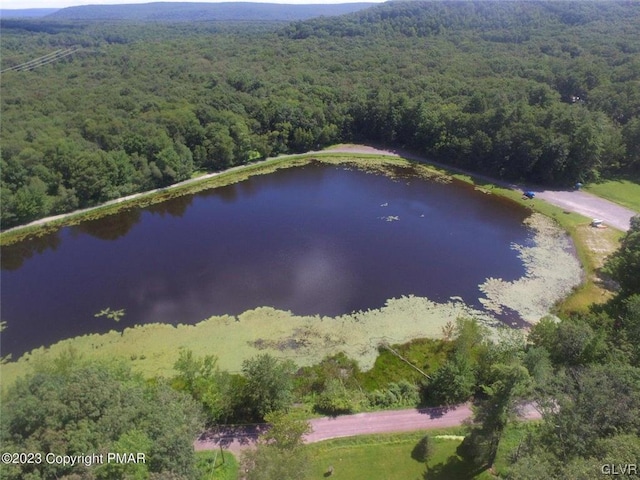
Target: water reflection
{"type": "Point", "coordinates": [228, 193]}
{"type": "Point", "coordinates": [312, 240]}
{"type": "Point", "coordinates": [175, 207]}
{"type": "Point", "coordinates": [110, 227]}
{"type": "Point", "coordinates": [13, 256]}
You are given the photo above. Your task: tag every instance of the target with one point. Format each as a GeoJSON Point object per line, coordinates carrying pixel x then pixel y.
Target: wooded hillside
{"type": "Point", "coordinates": [197, 12]}
{"type": "Point", "coordinates": [546, 92]}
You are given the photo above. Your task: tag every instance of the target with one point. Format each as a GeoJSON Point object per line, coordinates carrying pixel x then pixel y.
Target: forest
{"type": "Point", "coordinates": [199, 11]}
{"type": "Point", "coordinates": [541, 92]}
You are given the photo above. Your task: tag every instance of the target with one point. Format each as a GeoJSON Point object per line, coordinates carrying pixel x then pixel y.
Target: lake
{"type": "Point", "coordinates": [319, 239]}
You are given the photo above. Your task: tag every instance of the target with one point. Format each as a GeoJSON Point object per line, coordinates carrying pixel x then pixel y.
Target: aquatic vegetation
{"type": "Point", "coordinates": [153, 348]}
{"type": "Point", "coordinates": [552, 271]}
{"type": "Point", "coordinates": [114, 315]}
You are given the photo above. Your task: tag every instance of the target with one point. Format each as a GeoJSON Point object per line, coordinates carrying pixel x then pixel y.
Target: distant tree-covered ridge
{"type": "Point", "coordinates": [544, 92]}
{"type": "Point", "coordinates": [26, 12]}
{"type": "Point", "coordinates": [196, 12]}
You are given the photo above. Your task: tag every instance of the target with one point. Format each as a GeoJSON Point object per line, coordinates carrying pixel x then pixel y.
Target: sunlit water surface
{"type": "Point", "coordinates": [314, 240]}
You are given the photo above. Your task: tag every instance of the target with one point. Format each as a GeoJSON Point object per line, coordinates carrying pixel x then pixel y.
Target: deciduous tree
{"type": "Point", "coordinates": [269, 385]}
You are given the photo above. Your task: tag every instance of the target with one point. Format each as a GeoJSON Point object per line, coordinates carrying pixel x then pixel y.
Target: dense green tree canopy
{"type": "Point", "coordinates": [268, 387]}
{"type": "Point", "coordinates": [624, 264]}
{"type": "Point", "coordinates": [78, 408]}
{"type": "Point", "coordinates": [539, 91]}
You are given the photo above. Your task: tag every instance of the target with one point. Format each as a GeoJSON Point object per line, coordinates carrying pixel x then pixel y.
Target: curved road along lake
{"type": "Point", "coordinates": [318, 239]}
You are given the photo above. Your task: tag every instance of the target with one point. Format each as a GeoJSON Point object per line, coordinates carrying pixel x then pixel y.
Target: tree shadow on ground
{"type": "Point", "coordinates": [422, 450]}
{"type": "Point", "coordinates": [453, 469]}
{"type": "Point", "coordinates": [225, 435]}
{"type": "Point", "coordinates": [437, 412]}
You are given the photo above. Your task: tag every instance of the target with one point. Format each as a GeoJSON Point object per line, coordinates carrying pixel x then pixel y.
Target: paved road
{"type": "Point", "coordinates": [237, 439]}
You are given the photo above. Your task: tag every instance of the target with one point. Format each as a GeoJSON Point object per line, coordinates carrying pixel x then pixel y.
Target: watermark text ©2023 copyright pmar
{"type": "Point", "coordinates": [71, 460]}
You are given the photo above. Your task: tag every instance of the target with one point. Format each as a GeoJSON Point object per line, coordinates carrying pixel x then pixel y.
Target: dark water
{"type": "Point", "coordinates": [310, 240]}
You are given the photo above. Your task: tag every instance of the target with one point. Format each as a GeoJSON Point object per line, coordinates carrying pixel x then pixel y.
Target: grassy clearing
{"type": "Point", "coordinates": [593, 245]}
{"type": "Point", "coordinates": [388, 457]}
{"type": "Point", "coordinates": [212, 466]}
{"type": "Point", "coordinates": [623, 192]}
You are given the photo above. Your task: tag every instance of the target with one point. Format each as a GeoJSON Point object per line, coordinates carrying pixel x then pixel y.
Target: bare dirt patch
{"type": "Point", "coordinates": [601, 241]}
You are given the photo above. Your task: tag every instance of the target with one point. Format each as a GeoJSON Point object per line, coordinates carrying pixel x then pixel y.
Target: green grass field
{"type": "Point", "coordinates": [215, 465]}
{"type": "Point", "coordinates": [383, 457]}
{"type": "Point", "coordinates": [623, 192]}
{"type": "Point", "coordinates": [389, 457]}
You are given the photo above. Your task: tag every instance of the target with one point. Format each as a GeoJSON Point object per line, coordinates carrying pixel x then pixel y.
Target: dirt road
{"type": "Point", "coordinates": [386, 422]}
{"type": "Point", "coordinates": [236, 439]}
{"type": "Point", "coordinates": [590, 206]}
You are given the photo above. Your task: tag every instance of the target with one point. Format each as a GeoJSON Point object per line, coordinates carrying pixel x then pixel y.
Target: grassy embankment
{"type": "Point", "coordinates": [144, 199]}
{"type": "Point", "coordinates": [623, 192]}
{"type": "Point", "coordinates": [153, 349]}
{"type": "Point", "coordinates": [383, 456]}
{"type": "Point", "coordinates": [376, 163]}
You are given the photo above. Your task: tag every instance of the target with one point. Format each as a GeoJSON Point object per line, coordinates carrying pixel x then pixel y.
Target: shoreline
{"type": "Point", "coordinates": [153, 348]}
{"type": "Point", "coordinates": [204, 182]}
{"type": "Point", "coordinates": [238, 173]}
